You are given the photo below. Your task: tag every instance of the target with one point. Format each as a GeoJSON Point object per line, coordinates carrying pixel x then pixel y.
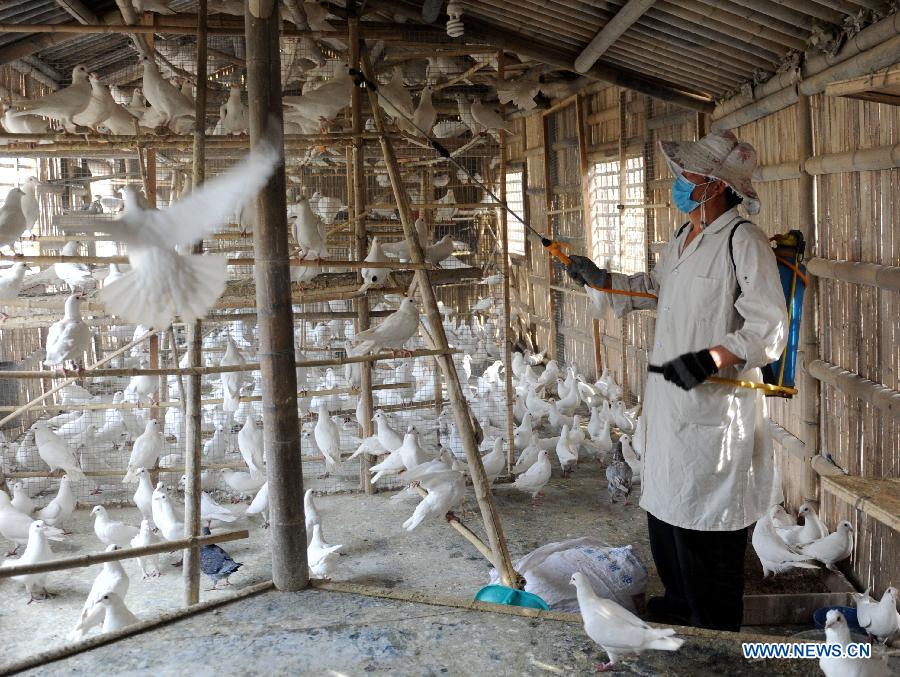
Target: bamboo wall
{"type": "Point", "coordinates": [857, 217]}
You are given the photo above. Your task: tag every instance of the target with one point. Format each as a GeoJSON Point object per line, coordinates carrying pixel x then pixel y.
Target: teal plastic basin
{"type": "Point", "coordinates": [500, 594]}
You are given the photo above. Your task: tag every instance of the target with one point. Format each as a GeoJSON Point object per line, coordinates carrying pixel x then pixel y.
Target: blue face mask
{"type": "Point", "coordinates": [681, 194]}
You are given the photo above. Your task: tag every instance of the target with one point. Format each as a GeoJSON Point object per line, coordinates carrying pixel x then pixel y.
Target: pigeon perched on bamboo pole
{"type": "Point", "coordinates": [163, 96]}
{"type": "Point", "coordinates": [446, 490]}
{"type": "Point", "coordinates": [145, 452]}
{"type": "Point", "coordinates": [615, 629]}
{"type": "Point", "coordinates": [76, 275]}
{"type": "Point", "coordinates": [233, 381]}
{"type": "Point", "coordinates": [69, 339]}
{"type": "Point", "coordinates": [64, 104]}
{"type": "Point", "coordinates": [56, 452]}
{"type": "Point", "coordinates": [100, 105]}
{"type": "Point", "coordinates": [374, 278]}
{"type": "Point", "coordinates": [12, 218]}
{"type": "Point", "coordinates": [392, 332]}
{"type": "Point", "coordinates": [163, 283]}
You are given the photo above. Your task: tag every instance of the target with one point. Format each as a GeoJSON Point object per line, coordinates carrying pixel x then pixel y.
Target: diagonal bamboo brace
{"type": "Point", "coordinates": [461, 413]}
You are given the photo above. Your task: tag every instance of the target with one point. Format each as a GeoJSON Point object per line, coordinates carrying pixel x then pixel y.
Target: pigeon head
{"type": "Point", "coordinates": [79, 73]}
{"type": "Point", "coordinates": [98, 510]}
{"type": "Point", "coordinates": [577, 578]}
{"type": "Point", "coordinates": [804, 509]}
{"type": "Point", "coordinates": [834, 619]}
{"type": "Point", "coordinates": [37, 527]}
{"type": "Point", "coordinates": [205, 531]}
{"type": "Point", "coordinates": [892, 593]}
{"type": "Point", "coordinates": [845, 527]}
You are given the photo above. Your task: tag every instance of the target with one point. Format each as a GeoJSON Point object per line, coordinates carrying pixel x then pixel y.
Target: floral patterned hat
{"type": "Point", "coordinates": [720, 155]}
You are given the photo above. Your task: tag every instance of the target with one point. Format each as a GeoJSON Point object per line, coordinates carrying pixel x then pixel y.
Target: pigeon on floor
{"type": "Point", "coordinates": [216, 563]}
{"type": "Point", "coordinates": [37, 551]}
{"type": "Point", "coordinates": [775, 555]}
{"type": "Point", "coordinates": [115, 614]}
{"type": "Point", "coordinates": [618, 476]}
{"type": "Point", "coordinates": [615, 628]}
{"type": "Point", "coordinates": [838, 632]}
{"type": "Point", "coordinates": [112, 578]}
{"type": "Point", "coordinates": [110, 531]}
{"type": "Point", "coordinates": [149, 564]}
{"type": "Point", "coordinates": [320, 556]}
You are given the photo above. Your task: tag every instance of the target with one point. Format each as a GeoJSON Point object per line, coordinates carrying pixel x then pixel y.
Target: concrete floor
{"type": "Point", "coordinates": [273, 633]}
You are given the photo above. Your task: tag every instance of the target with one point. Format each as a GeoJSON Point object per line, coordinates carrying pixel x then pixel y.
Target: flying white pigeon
{"type": "Point", "coordinates": [56, 453]}
{"type": "Point", "coordinates": [392, 332]}
{"type": "Point", "coordinates": [232, 381]}
{"type": "Point", "coordinates": [833, 548]}
{"type": "Point", "coordinates": [145, 452]}
{"type": "Point", "coordinates": [615, 628]}
{"type": "Point", "coordinates": [63, 104]}
{"type": "Point", "coordinates": [162, 282]}
{"type": "Point", "coordinates": [774, 554]}
{"type": "Point", "coordinates": [446, 490]}
{"type": "Point", "coordinates": [164, 97]}
{"type": "Point", "coordinates": [110, 531]}
{"type": "Point", "coordinates": [69, 338]}
{"type": "Point", "coordinates": [76, 275]}
{"type": "Point", "coordinates": [112, 578]}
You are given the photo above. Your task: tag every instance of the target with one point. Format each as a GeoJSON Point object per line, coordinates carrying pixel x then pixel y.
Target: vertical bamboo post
{"type": "Point", "coordinates": [357, 209]}
{"type": "Point", "coordinates": [809, 347]}
{"type": "Point", "coordinates": [586, 216]}
{"type": "Point", "coordinates": [150, 190]}
{"type": "Point", "coordinates": [461, 412]}
{"type": "Point", "coordinates": [623, 194]}
{"type": "Point", "coordinates": [548, 203]}
{"type": "Point", "coordinates": [284, 469]}
{"type": "Point", "coordinates": [191, 400]}
{"type": "Point", "coordinates": [426, 192]}
{"type": "Point", "coordinates": [507, 306]}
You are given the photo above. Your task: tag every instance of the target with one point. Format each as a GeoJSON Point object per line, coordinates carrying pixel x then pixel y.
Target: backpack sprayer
{"type": "Point", "coordinates": [778, 376]}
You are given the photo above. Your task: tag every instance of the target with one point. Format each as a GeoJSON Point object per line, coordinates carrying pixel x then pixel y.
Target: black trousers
{"type": "Point", "coordinates": [702, 571]}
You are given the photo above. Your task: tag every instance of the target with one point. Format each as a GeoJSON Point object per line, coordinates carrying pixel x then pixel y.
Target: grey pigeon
{"type": "Point", "coordinates": [618, 476]}
{"type": "Point", "coordinates": [216, 563]}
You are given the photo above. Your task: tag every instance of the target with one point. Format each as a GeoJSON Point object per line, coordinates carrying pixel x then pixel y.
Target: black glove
{"type": "Point", "coordinates": [584, 271]}
{"type": "Point", "coordinates": [690, 370]}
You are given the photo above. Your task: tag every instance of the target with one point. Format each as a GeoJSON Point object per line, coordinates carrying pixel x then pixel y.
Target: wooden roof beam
{"type": "Point", "coordinates": [623, 20]}
{"type": "Point", "coordinates": [81, 13]}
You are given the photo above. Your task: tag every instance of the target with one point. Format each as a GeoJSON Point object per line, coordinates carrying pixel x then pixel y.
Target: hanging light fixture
{"type": "Point", "coordinates": [455, 27]}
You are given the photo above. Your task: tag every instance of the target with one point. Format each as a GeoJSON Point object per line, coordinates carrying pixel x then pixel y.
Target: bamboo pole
{"type": "Point", "coordinates": [162, 470]}
{"type": "Point", "coordinates": [808, 349]}
{"type": "Point", "coordinates": [878, 395]}
{"type": "Point", "coordinates": [457, 399]}
{"type": "Point", "coordinates": [466, 533]}
{"type": "Point", "coordinates": [548, 206]}
{"type": "Point", "coordinates": [284, 468]}
{"type": "Point", "coordinates": [358, 213]}
{"type": "Point", "coordinates": [876, 275]}
{"type": "Point", "coordinates": [192, 407]}
{"type": "Point", "coordinates": [791, 444]}
{"type": "Point", "coordinates": [623, 178]}
{"type": "Point", "coordinates": [78, 561]}
{"type": "Point", "coordinates": [300, 263]}
{"type": "Point", "coordinates": [507, 306]}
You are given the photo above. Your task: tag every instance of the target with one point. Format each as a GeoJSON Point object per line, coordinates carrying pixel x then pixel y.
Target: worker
{"type": "Point", "coordinates": [708, 460]}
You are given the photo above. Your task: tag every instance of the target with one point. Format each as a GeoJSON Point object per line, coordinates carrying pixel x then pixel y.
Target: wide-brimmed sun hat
{"type": "Point", "coordinates": [719, 155]}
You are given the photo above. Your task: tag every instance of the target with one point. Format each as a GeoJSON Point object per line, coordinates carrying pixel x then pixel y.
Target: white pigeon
{"type": "Point", "coordinates": [630, 456]}
{"type": "Point", "coordinates": [164, 516]}
{"type": "Point", "coordinates": [56, 452]}
{"type": "Point", "coordinates": [110, 531]}
{"type": "Point", "coordinates": [392, 464]}
{"type": "Point", "coordinates": [100, 105]}
{"type": "Point", "coordinates": [308, 231]}
{"type": "Point", "coordinates": [260, 505]}
{"type": "Point", "coordinates": [782, 519]}
{"type": "Point", "coordinates": [22, 124]}
{"type": "Point", "coordinates": [210, 510]}
{"type": "Point", "coordinates": [775, 555]}
{"type": "Point", "coordinates": [523, 434]}
{"type": "Point", "coordinates": [145, 452]}
{"type": "Point", "coordinates": [236, 120]}
{"type": "Point", "coordinates": [425, 114]}
{"type": "Point", "coordinates": [58, 511]}
{"type": "Point", "coordinates": [494, 462]}
{"type": "Point", "coordinates": [833, 548]}
{"type": "Point", "coordinates": [374, 278]}
{"type": "Point", "coordinates": [392, 332]}
{"type": "Point", "coordinates": [38, 550]}
{"type": "Point", "coordinates": [233, 381]}
{"type": "Point", "coordinates": [251, 445]}
{"type": "Point", "coordinates": [527, 458]}
{"type": "Point", "coordinates": [440, 250]}
{"type": "Point", "coordinates": [811, 530]}
{"type": "Point", "coordinates": [534, 479]}
{"type": "Point", "coordinates": [394, 98]}
{"type": "Point", "coordinates": [149, 564]}
{"type": "Point", "coordinates": [69, 338]}
{"type": "Point", "coordinates": [488, 118]}
{"type": "Point", "coordinates": [164, 97]}
{"type": "Point", "coordinates": [464, 107]}
{"type": "Point", "coordinates": [446, 490]}
{"type": "Point", "coordinates": [162, 282]}
{"type": "Point", "coordinates": [12, 217]}
{"type": "Point", "coordinates": [328, 437]}
{"type": "Point", "coordinates": [65, 103]}
{"type": "Point", "coordinates": [76, 275]}
{"type": "Point", "coordinates": [243, 482]}
{"type": "Point", "coordinates": [838, 632]}
{"type": "Point", "coordinates": [568, 458]}
{"type": "Point", "coordinates": [112, 578]}
{"type": "Point", "coordinates": [119, 122]}
{"type": "Point", "coordinates": [311, 514]}
{"type": "Point", "coordinates": [615, 628]}
{"type": "Point", "coordinates": [30, 207]}
{"type": "Point", "coordinates": [143, 496]}
{"type": "Point", "coordinates": [388, 438]}
{"type": "Point", "coordinates": [879, 619]}
{"type": "Point", "coordinates": [319, 555]}
{"type": "Point", "coordinates": [400, 248]}
{"type": "Point", "coordinates": [21, 501]}
{"type": "Point", "coordinates": [116, 616]}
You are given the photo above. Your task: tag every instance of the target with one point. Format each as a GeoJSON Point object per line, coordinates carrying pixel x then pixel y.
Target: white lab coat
{"type": "Point", "coordinates": [708, 458]}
